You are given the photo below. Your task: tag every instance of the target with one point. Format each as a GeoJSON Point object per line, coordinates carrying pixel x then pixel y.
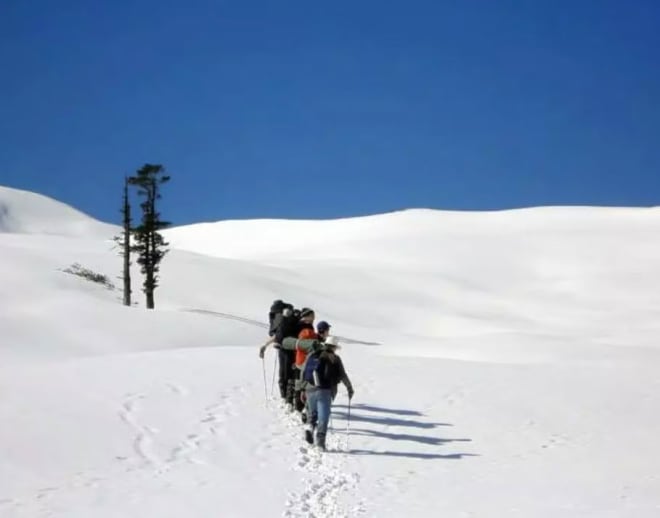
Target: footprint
{"type": "Point", "coordinates": [143, 442]}
{"type": "Point", "coordinates": [326, 480]}
{"type": "Point", "coordinates": [207, 429]}
{"type": "Point", "coordinates": [556, 440]}
{"type": "Point", "coordinates": [454, 398]}
{"type": "Point", "coordinates": [8, 502]}
{"type": "Point", "coordinates": [178, 389]}
{"type": "Point", "coordinates": [45, 492]}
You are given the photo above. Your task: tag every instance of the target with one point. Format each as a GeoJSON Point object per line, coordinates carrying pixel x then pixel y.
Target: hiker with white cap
{"type": "Point", "coordinates": [322, 372]}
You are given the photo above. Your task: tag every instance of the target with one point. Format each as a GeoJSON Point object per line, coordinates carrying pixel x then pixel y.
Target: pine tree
{"type": "Point", "coordinates": [124, 240]}
{"type": "Point", "coordinates": [149, 243]}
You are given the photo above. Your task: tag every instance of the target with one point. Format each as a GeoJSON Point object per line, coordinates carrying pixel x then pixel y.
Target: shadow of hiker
{"type": "Point", "coordinates": [433, 441]}
{"type": "Point", "coordinates": [373, 415]}
{"type": "Point", "coordinates": [386, 421]}
{"type": "Point", "coordinates": [413, 455]}
{"type": "Point", "coordinates": [371, 408]}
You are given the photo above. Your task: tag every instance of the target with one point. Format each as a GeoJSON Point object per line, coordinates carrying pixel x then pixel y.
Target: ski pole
{"type": "Point", "coordinates": [272, 386]}
{"type": "Point", "coordinates": [348, 423]}
{"type": "Point", "coordinates": [263, 365]}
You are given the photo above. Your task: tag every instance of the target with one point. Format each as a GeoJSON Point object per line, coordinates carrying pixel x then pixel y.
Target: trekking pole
{"type": "Point", "coordinates": [348, 423]}
{"type": "Point", "coordinates": [272, 385]}
{"type": "Point", "coordinates": [263, 365]}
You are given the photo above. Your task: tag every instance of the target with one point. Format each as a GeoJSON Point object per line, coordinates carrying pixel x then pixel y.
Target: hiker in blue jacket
{"type": "Point", "coordinates": [322, 372]}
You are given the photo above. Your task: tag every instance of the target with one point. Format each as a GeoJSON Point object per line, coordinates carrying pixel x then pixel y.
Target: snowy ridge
{"type": "Point", "coordinates": [25, 212]}
{"type": "Point", "coordinates": [355, 238]}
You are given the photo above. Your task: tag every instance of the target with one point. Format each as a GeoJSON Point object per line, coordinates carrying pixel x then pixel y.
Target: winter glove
{"type": "Point", "coordinates": [351, 392]}
{"type": "Point", "coordinates": [262, 351]}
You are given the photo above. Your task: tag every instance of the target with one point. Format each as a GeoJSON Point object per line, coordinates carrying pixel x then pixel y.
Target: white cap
{"type": "Point", "coordinates": [332, 340]}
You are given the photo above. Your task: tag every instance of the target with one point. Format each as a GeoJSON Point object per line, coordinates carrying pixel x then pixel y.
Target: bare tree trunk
{"type": "Point", "coordinates": [151, 249]}
{"type": "Point", "coordinates": [127, 246]}
{"type": "Point", "coordinates": [150, 299]}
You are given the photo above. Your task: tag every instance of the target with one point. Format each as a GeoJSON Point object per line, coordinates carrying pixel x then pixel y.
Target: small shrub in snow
{"type": "Point", "coordinates": [86, 273]}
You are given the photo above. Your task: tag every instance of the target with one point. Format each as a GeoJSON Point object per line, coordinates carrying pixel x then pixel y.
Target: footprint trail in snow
{"type": "Point", "coordinates": [326, 481]}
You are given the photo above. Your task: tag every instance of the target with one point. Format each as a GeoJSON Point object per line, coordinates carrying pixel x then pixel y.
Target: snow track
{"type": "Point", "coordinates": [257, 323]}
{"type": "Point", "coordinates": [205, 429]}
{"type": "Point", "coordinates": [327, 483]}
{"type": "Point", "coordinates": [144, 436]}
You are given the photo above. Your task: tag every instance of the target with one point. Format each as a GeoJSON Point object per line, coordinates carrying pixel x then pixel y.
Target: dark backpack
{"type": "Point", "coordinates": [277, 312]}
{"type": "Point", "coordinates": [310, 374]}
{"type": "Point", "coordinates": [289, 324]}
{"type": "Point", "coordinates": [321, 372]}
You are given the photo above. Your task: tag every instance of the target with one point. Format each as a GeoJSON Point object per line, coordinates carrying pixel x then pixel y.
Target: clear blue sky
{"type": "Point", "coordinates": [323, 109]}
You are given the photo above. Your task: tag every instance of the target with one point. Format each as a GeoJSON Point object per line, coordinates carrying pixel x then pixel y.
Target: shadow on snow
{"type": "Point", "coordinates": [380, 430]}
{"type": "Point", "coordinates": [433, 441]}
{"type": "Point", "coordinates": [412, 455]}
{"type": "Point", "coordinates": [387, 421]}
{"type": "Point", "coordinates": [371, 408]}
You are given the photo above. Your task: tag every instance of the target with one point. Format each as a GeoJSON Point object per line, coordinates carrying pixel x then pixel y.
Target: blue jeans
{"type": "Point", "coordinates": [319, 403]}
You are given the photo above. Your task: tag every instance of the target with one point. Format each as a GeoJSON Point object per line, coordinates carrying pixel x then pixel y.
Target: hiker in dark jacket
{"type": "Point", "coordinates": [329, 372]}
{"type": "Point", "coordinates": [288, 327]}
{"type": "Point", "coordinates": [297, 325]}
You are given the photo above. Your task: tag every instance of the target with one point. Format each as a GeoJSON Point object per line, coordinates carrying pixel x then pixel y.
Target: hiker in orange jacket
{"type": "Point", "coordinates": [306, 332]}
{"type": "Point", "coordinates": [322, 332]}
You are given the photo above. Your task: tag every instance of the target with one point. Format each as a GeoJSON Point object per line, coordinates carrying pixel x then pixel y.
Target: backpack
{"type": "Point", "coordinates": [288, 324]}
{"type": "Point", "coordinates": [320, 373]}
{"type": "Point", "coordinates": [276, 314]}
{"type": "Point", "coordinates": [310, 374]}
{"type": "Point", "coordinates": [275, 309]}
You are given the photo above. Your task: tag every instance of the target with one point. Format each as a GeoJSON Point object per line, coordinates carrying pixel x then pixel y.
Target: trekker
{"type": "Point", "coordinates": [288, 326]}
{"type": "Point", "coordinates": [306, 332]}
{"type": "Point", "coordinates": [323, 330]}
{"type": "Point", "coordinates": [322, 373]}
{"type": "Point", "coordinates": [304, 346]}
{"type": "Point", "coordinates": [306, 328]}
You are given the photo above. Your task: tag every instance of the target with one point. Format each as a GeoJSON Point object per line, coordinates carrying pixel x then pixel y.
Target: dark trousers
{"type": "Point", "coordinates": [298, 402]}
{"type": "Point", "coordinates": [286, 374]}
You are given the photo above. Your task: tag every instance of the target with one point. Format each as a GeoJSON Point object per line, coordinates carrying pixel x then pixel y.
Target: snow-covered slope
{"type": "Point", "coordinates": [560, 274]}
{"type": "Point", "coordinates": [110, 411]}
{"type": "Point", "coordinates": [26, 212]}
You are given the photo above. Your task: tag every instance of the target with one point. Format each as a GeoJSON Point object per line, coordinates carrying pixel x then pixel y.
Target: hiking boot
{"type": "Point", "coordinates": [303, 417]}
{"type": "Point", "coordinates": [320, 442]}
{"type": "Point", "coordinates": [309, 434]}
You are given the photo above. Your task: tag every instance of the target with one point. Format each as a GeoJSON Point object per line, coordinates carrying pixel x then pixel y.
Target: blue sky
{"type": "Point", "coordinates": [303, 109]}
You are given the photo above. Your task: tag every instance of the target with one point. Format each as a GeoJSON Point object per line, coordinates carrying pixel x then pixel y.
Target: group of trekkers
{"type": "Point", "coordinates": [309, 367]}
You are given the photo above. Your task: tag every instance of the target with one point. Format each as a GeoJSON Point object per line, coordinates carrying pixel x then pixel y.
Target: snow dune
{"type": "Point", "coordinates": [515, 372]}
{"type": "Point", "coordinates": [26, 212]}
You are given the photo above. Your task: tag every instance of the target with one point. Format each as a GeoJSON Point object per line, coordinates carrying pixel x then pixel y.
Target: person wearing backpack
{"type": "Point", "coordinates": [306, 333]}
{"type": "Point", "coordinates": [308, 340]}
{"type": "Point", "coordinates": [275, 315]}
{"type": "Point", "coordinates": [283, 325]}
{"type": "Point", "coordinates": [322, 372]}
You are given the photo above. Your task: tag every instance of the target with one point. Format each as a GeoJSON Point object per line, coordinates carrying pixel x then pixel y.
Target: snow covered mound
{"type": "Point", "coordinates": [23, 212]}
{"type": "Point", "coordinates": [420, 235]}
{"type": "Point", "coordinates": [476, 285]}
